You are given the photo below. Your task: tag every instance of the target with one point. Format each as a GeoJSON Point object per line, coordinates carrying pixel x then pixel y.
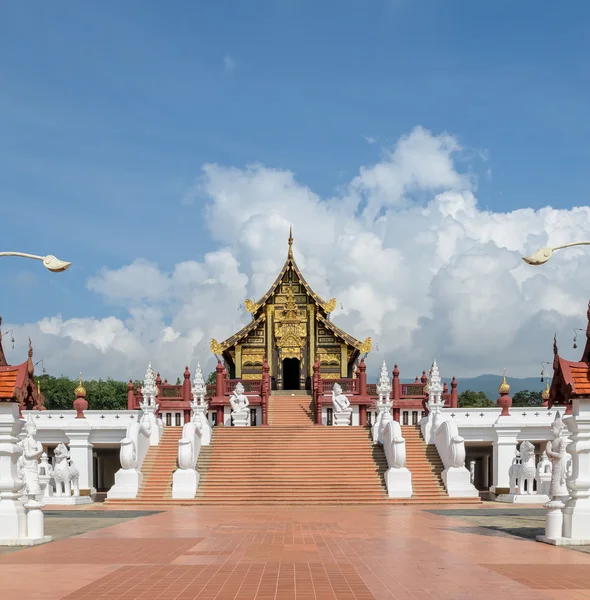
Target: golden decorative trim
{"type": "Point", "coordinates": [250, 306]}
{"type": "Point", "coordinates": [331, 376]}
{"type": "Point", "coordinates": [290, 352]}
{"type": "Point", "coordinates": [248, 351]}
{"type": "Point", "coordinates": [330, 305]}
{"type": "Point", "coordinates": [366, 346]}
{"type": "Point", "coordinates": [215, 346]}
{"type": "Point", "coordinates": [251, 376]}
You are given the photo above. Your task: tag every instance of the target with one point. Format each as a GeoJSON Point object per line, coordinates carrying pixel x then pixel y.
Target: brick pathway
{"type": "Point", "coordinates": [306, 553]}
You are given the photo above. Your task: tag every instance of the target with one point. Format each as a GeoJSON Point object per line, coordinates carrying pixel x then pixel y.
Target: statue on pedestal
{"type": "Point", "coordinates": [28, 463]}
{"type": "Point", "coordinates": [342, 408]}
{"type": "Point", "coordinates": [239, 405]}
{"type": "Point", "coordinates": [556, 453]}
{"type": "Point", "coordinates": [65, 474]}
{"type": "Point", "coordinates": [523, 470]}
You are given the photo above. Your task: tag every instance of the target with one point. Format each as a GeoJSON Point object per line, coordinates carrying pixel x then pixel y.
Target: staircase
{"type": "Point", "coordinates": [292, 465]}
{"type": "Point", "coordinates": [292, 462]}
{"type": "Point", "coordinates": [158, 467]}
{"type": "Point", "coordinates": [424, 463]}
{"type": "Point", "coordinates": [290, 409]}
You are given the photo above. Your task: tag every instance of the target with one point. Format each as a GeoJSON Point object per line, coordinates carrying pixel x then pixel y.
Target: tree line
{"type": "Point", "coordinates": [101, 394]}
{"type": "Point", "coordinates": [109, 394]}
{"type": "Point", "coordinates": [469, 399]}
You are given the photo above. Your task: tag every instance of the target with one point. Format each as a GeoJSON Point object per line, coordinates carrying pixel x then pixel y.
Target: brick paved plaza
{"type": "Point", "coordinates": [309, 553]}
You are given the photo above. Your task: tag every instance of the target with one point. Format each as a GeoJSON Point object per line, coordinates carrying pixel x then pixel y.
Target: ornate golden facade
{"type": "Point", "coordinates": [291, 327]}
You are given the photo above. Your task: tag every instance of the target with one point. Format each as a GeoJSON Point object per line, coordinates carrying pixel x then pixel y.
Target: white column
{"type": "Point", "coordinates": [13, 520]}
{"type": "Point", "coordinates": [504, 448]}
{"type": "Point", "coordinates": [81, 454]}
{"type": "Point", "coordinates": [576, 514]}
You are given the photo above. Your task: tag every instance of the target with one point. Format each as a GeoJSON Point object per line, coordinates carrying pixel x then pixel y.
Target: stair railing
{"type": "Point", "coordinates": [134, 448]}
{"type": "Point", "coordinates": [398, 478]}
{"type": "Point", "coordinates": [185, 480]}
{"type": "Point", "coordinates": [451, 449]}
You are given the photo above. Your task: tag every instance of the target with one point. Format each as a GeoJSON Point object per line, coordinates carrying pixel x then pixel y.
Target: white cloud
{"type": "Point", "coordinates": [412, 259]}
{"type": "Point", "coordinates": [229, 64]}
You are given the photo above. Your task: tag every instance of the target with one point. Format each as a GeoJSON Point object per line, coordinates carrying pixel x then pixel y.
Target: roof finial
{"type": "Point", "coordinates": [504, 387]}
{"type": "Point", "coordinates": [291, 241]}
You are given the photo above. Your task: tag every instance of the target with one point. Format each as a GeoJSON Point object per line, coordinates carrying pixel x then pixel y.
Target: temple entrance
{"type": "Point", "coordinates": [291, 374]}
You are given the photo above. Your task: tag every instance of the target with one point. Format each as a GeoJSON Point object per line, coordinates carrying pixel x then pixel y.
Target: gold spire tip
{"type": "Point", "coordinates": [291, 241]}
{"type": "Point", "coordinates": [80, 390]}
{"type": "Point", "coordinates": [504, 386]}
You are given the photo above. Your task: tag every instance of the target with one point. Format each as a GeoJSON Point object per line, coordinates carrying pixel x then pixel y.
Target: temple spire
{"type": "Point", "coordinates": [291, 241]}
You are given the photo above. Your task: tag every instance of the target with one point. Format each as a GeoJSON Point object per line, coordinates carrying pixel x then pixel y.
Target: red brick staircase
{"type": "Point", "coordinates": [157, 469]}
{"type": "Point", "coordinates": [291, 409]}
{"type": "Point", "coordinates": [293, 462]}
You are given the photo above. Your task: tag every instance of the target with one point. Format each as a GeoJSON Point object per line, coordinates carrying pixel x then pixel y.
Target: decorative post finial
{"type": "Point", "coordinates": [504, 387]}
{"type": "Point", "coordinates": [291, 241]}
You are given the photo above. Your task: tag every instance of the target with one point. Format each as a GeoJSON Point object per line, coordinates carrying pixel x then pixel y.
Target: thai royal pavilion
{"type": "Point", "coordinates": [290, 326]}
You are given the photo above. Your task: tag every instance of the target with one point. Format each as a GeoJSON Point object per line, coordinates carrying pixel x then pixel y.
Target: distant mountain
{"type": "Point", "coordinates": [489, 384]}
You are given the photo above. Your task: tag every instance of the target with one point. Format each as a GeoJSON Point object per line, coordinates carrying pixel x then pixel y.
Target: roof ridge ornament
{"type": "Point", "coordinates": [290, 255]}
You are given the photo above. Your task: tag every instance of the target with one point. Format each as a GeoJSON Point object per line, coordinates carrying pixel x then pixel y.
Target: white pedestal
{"type": "Point", "coordinates": [127, 484]}
{"type": "Point", "coordinates": [399, 483]}
{"type": "Point", "coordinates": [67, 500]}
{"type": "Point", "coordinates": [342, 419]}
{"type": "Point", "coordinates": [185, 483]}
{"type": "Point", "coordinates": [457, 481]}
{"type": "Point", "coordinates": [553, 523]}
{"type": "Point", "coordinates": [576, 519]}
{"type": "Point", "coordinates": [241, 419]}
{"type": "Point", "coordinates": [523, 498]}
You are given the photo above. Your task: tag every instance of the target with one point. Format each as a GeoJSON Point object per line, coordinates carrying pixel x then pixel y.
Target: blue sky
{"type": "Point", "coordinates": [108, 110]}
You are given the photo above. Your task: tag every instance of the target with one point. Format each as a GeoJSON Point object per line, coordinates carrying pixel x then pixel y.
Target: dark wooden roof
{"type": "Point", "coordinates": [234, 339]}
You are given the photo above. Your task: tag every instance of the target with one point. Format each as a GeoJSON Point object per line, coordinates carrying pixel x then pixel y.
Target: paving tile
{"type": "Point", "coordinates": [299, 553]}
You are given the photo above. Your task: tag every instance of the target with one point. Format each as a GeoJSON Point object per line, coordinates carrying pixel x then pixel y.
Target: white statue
{"type": "Point", "coordinates": [556, 453]}
{"type": "Point", "coordinates": [523, 472]}
{"type": "Point", "coordinates": [383, 404]}
{"type": "Point", "coordinates": [65, 474]}
{"type": "Point", "coordinates": [544, 469]}
{"type": "Point", "coordinates": [199, 407]}
{"type": "Point", "coordinates": [28, 462]}
{"type": "Point", "coordinates": [149, 390]}
{"type": "Point", "coordinates": [342, 408]}
{"type": "Point", "coordinates": [239, 405]}
{"type": "Point", "coordinates": [45, 475]}
{"type": "Point", "coordinates": [513, 471]}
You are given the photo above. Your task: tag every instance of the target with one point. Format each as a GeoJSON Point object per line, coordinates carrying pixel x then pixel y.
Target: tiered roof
{"type": "Point", "coordinates": [17, 383]}
{"type": "Point", "coordinates": [257, 310]}
{"type": "Point", "coordinates": [570, 378]}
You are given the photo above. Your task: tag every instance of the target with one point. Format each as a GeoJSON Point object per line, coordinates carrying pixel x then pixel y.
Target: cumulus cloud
{"type": "Point", "coordinates": [412, 259]}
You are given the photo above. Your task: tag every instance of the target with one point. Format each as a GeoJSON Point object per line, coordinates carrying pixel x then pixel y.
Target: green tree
{"type": "Point", "coordinates": [469, 399]}
{"type": "Point", "coordinates": [526, 398]}
{"type": "Point", "coordinates": [58, 392]}
{"type": "Point", "coordinates": [210, 379]}
{"type": "Point", "coordinates": [101, 394]}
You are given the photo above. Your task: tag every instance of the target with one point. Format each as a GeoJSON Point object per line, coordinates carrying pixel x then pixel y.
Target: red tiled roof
{"type": "Point", "coordinates": [12, 378]}
{"type": "Point", "coordinates": [581, 378]}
